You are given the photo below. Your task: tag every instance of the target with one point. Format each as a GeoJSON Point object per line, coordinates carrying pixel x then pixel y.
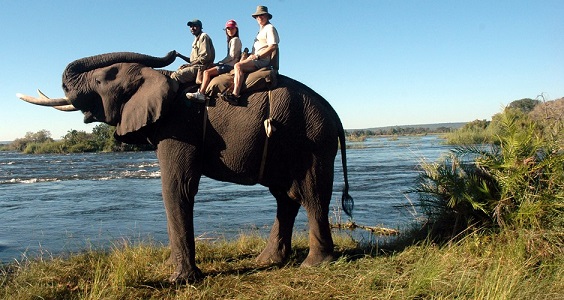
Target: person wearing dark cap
{"type": "Point", "coordinates": [266, 42]}
{"type": "Point", "coordinates": [225, 65]}
{"type": "Point", "coordinates": [201, 56]}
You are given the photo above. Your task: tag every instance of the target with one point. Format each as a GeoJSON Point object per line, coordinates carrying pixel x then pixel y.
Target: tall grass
{"type": "Point", "coordinates": [469, 136]}
{"type": "Point", "coordinates": [520, 264]}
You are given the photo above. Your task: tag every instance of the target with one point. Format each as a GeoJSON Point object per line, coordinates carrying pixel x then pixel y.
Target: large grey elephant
{"type": "Point", "coordinates": [293, 155]}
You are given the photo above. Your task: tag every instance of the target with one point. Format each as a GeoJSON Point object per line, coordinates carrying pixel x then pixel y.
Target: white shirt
{"type": "Point", "coordinates": [234, 52]}
{"type": "Point", "coordinates": [266, 36]}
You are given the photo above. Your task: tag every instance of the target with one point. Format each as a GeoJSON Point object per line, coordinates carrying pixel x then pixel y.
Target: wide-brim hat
{"type": "Point", "coordinates": [195, 22]}
{"type": "Point", "coordinates": [262, 10]}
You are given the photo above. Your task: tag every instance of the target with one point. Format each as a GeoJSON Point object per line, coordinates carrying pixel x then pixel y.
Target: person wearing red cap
{"type": "Point", "coordinates": [225, 65]}
{"type": "Point", "coordinates": [201, 56]}
{"type": "Point", "coordinates": [266, 42]}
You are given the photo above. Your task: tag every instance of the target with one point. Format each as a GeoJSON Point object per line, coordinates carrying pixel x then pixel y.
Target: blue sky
{"type": "Point", "coordinates": [379, 63]}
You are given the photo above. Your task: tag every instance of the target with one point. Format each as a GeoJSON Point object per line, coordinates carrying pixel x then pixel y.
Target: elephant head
{"type": "Point", "coordinates": [121, 89]}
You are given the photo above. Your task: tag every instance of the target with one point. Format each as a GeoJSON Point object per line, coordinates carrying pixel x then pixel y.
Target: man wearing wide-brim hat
{"type": "Point", "coordinates": [261, 10]}
{"type": "Point", "coordinates": [265, 44]}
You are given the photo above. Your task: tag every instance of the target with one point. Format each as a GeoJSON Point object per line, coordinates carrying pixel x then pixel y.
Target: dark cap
{"type": "Point", "coordinates": [195, 22]}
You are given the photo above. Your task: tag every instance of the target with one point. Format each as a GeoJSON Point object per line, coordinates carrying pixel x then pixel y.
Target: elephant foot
{"type": "Point", "coordinates": [272, 257]}
{"type": "Point", "coordinates": [316, 259]}
{"type": "Point", "coordinates": [183, 277]}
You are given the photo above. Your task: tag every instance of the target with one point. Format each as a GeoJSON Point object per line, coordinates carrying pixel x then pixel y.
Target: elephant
{"type": "Point", "coordinates": [285, 139]}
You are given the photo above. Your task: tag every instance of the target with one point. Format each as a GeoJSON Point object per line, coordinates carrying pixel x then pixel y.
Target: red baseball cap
{"type": "Point", "coordinates": [231, 23]}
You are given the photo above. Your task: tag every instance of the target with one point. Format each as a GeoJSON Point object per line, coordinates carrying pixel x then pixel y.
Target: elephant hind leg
{"type": "Point", "coordinates": [279, 245]}
{"type": "Point", "coordinates": [320, 241]}
{"type": "Point", "coordinates": [315, 190]}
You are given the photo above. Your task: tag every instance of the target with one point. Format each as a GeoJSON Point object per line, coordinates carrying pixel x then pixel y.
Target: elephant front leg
{"type": "Point", "coordinates": [181, 239]}
{"type": "Point", "coordinates": [179, 187]}
{"type": "Point", "coordinates": [279, 244]}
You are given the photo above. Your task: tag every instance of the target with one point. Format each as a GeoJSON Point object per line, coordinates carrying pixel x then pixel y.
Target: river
{"type": "Point", "coordinates": [53, 203]}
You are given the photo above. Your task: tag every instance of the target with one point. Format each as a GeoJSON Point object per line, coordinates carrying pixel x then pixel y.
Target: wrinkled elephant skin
{"type": "Point", "coordinates": [223, 142]}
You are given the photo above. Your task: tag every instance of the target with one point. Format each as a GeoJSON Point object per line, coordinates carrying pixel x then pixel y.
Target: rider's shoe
{"type": "Point", "coordinates": [196, 97]}
{"type": "Point", "coordinates": [232, 99]}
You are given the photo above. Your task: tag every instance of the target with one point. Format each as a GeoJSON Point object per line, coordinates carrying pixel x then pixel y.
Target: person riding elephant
{"type": "Point", "coordinates": [266, 42]}
{"type": "Point", "coordinates": [225, 65]}
{"type": "Point", "coordinates": [201, 58]}
{"type": "Point", "coordinates": [293, 154]}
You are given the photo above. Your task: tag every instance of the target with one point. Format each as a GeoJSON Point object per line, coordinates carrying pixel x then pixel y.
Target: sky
{"type": "Point", "coordinates": [379, 63]}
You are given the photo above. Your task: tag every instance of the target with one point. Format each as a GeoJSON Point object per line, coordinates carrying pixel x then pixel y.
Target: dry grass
{"type": "Point", "coordinates": [517, 265]}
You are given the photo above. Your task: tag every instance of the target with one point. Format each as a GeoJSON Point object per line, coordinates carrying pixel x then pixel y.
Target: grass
{"type": "Point", "coordinates": [509, 265]}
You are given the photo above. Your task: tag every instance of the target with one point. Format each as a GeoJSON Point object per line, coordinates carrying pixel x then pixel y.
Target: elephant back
{"type": "Point", "coordinates": [235, 136]}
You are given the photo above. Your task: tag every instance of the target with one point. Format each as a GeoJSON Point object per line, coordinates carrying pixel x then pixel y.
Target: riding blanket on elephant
{"type": "Point", "coordinates": [262, 79]}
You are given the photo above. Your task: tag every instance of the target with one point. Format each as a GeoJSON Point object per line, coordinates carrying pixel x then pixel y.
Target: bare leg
{"type": "Point", "coordinates": [241, 68]}
{"type": "Point", "coordinates": [208, 75]}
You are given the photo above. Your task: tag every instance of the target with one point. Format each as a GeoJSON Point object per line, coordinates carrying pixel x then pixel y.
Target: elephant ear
{"type": "Point", "coordinates": [148, 104]}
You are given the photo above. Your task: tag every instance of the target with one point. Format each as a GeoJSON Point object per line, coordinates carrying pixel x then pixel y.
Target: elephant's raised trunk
{"type": "Point", "coordinates": [71, 78]}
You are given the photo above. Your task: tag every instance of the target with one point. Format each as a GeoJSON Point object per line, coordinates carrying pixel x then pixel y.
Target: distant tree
{"type": "Point", "coordinates": [104, 137]}
{"type": "Point", "coordinates": [526, 105]}
{"type": "Point", "coordinates": [443, 129]}
{"type": "Point", "coordinates": [549, 110]}
{"type": "Point", "coordinates": [476, 125]}
{"type": "Point", "coordinates": [41, 136]}
{"type": "Point", "coordinates": [79, 141]}
{"type": "Point", "coordinates": [549, 116]}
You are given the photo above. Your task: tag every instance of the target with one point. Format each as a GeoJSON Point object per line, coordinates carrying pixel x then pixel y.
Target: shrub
{"type": "Point", "coordinates": [475, 132]}
{"type": "Point", "coordinates": [516, 182]}
{"type": "Point", "coordinates": [42, 136]}
{"type": "Point", "coordinates": [41, 148]}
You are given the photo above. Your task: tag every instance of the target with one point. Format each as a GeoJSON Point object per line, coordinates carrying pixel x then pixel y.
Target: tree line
{"type": "Point", "coordinates": [101, 139]}
{"type": "Point", "coordinates": [358, 135]}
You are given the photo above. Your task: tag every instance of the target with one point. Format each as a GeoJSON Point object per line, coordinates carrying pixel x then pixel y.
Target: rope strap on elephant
{"type": "Point", "coordinates": [205, 120]}
{"type": "Point", "coordinates": [269, 128]}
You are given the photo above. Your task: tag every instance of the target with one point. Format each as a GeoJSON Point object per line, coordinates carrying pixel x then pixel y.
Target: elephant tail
{"type": "Point", "coordinates": [347, 201]}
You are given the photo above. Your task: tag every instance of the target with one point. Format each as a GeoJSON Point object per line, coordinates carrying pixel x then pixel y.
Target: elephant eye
{"type": "Point", "coordinates": [98, 81]}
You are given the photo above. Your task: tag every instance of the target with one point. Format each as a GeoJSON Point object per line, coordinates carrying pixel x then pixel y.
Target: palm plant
{"type": "Point", "coordinates": [518, 181]}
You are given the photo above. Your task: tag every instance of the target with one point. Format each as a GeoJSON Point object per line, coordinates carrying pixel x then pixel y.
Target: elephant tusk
{"type": "Point", "coordinates": [43, 100]}
{"type": "Point", "coordinates": [68, 107]}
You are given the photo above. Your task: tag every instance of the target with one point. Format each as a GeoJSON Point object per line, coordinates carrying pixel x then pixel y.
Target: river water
{"type": "Point", "coordinates": [52, 204]}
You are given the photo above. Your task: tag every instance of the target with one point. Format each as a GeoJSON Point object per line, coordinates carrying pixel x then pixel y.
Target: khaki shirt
{"type": "Point", "coordinates": [203, 52]}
